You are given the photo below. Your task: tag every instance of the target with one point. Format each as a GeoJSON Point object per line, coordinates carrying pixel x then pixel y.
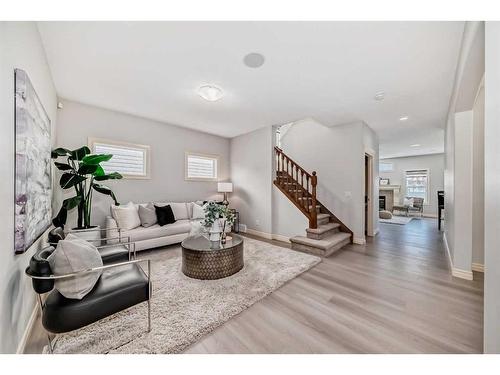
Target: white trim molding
{"type": "Point", "coordinates": [268, 236]}
{"type": "Point", "coordinates": [456, 272]}
{"type": "Point", "coordinates": [359, 240]}
{"type": "Point", "coordinates": [478, 267]}
{"type": "Point", "coordinates": [29, 327]}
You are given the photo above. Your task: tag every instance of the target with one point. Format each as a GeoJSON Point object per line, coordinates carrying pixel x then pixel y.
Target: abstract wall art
{"type": "Point", "coordinates": [33, 182]}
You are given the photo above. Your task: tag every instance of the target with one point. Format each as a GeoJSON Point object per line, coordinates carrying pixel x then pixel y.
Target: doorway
{"type": "Point", "coordinates": [368, 208]}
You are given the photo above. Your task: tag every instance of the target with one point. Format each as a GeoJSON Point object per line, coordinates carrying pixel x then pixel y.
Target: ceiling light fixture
{"type": "Point", "coordinates": [404, 118]}
{"type": "Point", "coordinates": [379, 96]}
{"type": "Point", "coordinates": [416, 145]}
{"type": "Point", "coordinates": [210, 92]}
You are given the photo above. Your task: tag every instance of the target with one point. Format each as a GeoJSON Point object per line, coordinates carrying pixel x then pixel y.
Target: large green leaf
{"type": "Point", "coordinates": [80, 153]}
{"type": "Point", "coordinates": [88, 168]}
{"type": "Point", "coordinates": [96, 159]}
{"type": "Point", "coordinates": [59, 152]}
{"type": "Point", "coordinates": [63, 166]}
{"type": "Point", "coordinates": [62, 215]}
{"type": "Point", "coordinates": [109, 176]}
{"type": "Point", "coordinates": [99, 171]}
{"type": "Point", "coordinates": [106, 191]}
{"type": "Point", "coordinates": [69, 180]}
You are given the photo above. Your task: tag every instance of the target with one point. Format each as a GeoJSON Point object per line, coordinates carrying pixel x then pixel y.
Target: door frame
{"type": "Point", "coordinates": [368, 216]}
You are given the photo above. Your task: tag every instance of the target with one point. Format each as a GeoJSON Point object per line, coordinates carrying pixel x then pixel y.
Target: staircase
{"type": "Point", "coordinates": [326, 233]}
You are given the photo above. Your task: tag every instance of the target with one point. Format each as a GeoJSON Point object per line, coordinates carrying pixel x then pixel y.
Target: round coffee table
{"type": "Point", "coordinates": [206, 260]}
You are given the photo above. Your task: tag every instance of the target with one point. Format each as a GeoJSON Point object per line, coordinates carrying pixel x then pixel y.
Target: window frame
{"type": "Point", "coordinates": [427, 188]}
{"type": "Point", "coordinates": [385, 171]}
{"type": "Point", "coordinates": [204, 156]}
{"type": "Point", "coordinates": [146, 148]}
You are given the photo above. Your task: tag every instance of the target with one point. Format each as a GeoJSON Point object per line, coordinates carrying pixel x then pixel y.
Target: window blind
{"type": "Point", "coordinates": [201, 167]}
{"type": "Point", "coordinates": [126, 160]}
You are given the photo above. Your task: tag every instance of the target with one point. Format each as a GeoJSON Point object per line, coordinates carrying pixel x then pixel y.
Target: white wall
{"type": "Point", "coordinates": [492, 191]}
{"type": "Point", "coordinates": [251, 174]}
{"type": "Point", "coordinates": [434, 163]}
{"type": "Point", "coordinates": [77, 122]}
{"type": "Point", "coordinates": [20, 47]}
{"type": "Point", "coordinates": [478, 179]}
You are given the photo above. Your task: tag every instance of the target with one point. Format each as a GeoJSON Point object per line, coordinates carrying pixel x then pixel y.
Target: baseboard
{"type": "Point", "coordinates": [432, 216]}
{"type": "Point", "coordinates": [463, 274]}
{"type": "Point", "coordinates": [29, 327]}
{"type": "Point", "coordinates": [450, 261]}
{"type": "Point", "coordinates": [478, 267]}
{"type": "Point", "coordinates": [376, 231]}
{"type": "Point", "coordinates": [359, 240]}
{"type": "Point", "coordinates": [268, 236]}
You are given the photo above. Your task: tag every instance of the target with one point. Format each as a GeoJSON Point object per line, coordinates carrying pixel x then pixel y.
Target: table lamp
{"type": "Point", "coordinates": [225, 187]}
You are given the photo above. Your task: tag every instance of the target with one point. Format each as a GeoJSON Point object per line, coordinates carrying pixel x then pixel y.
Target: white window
{"type": "Point", "coordinates": [417, 183]}
{"type": "Point", "coordinates": [130, 160]}
{"type": "Point", "coordinates": [200, 167]}
{"type": "Point", "coordinates": [385, 167]}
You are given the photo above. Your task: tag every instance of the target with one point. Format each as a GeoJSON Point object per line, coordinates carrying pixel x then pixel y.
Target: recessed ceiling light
{"type": "Point", "coordinates": [404, 118]}
{"type": "Point", "coordinates": [379, 96]}
{"type": "Point", "coordinates": [254, 60]}
{"type": "Point", "coordinates": [416, 145]}
{"type": "Point", "coordinates": [210, 92]}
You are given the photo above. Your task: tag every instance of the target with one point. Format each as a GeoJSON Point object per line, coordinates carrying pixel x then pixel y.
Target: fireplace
{"type": "Point", "coordinates": [381, 203]}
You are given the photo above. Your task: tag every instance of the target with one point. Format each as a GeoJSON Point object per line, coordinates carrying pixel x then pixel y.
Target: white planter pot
{"type": "Point", "coordinates": [92, 234]}
{"type": "Point", "coordinates": [215, 231]}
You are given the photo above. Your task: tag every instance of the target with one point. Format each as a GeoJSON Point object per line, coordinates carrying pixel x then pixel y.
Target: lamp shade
{"type": "Point", "coordinates": [225, 187]}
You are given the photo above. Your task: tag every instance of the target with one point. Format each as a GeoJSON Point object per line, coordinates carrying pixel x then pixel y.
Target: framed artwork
{"type": "Point", "coordinates": [384, 181]}
{"type": "Point", "coordinates": [33, 181]}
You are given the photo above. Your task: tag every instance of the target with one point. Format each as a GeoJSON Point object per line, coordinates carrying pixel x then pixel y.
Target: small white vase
{"type": "Point", "coordinates": [215, 231]}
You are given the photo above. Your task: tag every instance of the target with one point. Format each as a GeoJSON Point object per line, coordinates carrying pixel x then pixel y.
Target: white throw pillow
{"type": "Point", "coordinates": [408, 202]}
{"type": "Point", "coordinates": [126, 216]}
{"type": "Point", "coordinates": [198, 212]}
{"type": "Point", "coordinates": [74, 254]}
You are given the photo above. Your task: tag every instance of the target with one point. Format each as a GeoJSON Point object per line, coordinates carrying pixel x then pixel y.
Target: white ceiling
{"type": "Point", "coordinates": [326, 70]}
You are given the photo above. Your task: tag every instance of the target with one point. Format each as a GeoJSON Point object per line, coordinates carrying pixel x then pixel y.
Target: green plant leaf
{"type": "Point", "coordinates": [88, 168]}
{"type": "Point", "coordinates": [69, 180]}
{"type": "Point", "coordinates": [110, 176]}
{"type": "Point", "coordinates": [106, 191]}
{"type": "Point", "coordinates": [96, 159]}
{"type": "Point", "coordinates": [62, 215]}
{"type": "Point", "coordinates": [99, 171]}
{"type": "Point", "coordinates": [80, 153]}
{"type": "Point", "coordinates": [59, 152]}
{"type": "Point", "coordinates": [63, 166]}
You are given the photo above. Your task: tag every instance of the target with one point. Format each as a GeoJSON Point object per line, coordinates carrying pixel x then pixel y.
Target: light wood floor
{"type": "Point", "coordinates": [394, 295]}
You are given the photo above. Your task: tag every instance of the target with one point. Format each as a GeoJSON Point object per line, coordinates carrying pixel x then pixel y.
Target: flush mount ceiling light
{"type": "Point", "coordinates": [379, 96]}
{"type": "Point", "coordinates": [404, 118]}
{"type": "Point", "coordinates": [210, 92]}
{"type": "Point", "coordinates": [254, 60]}
{"type": "Point", "coordinates": [416, 145]}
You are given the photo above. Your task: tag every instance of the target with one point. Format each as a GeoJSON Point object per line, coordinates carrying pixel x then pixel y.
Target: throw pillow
{"type": "Point", "coordinates": [408, 202]}
{"type": "Point", "coordinates": [126, 216]}
{"type": "Point", "coordinates": [180, 210]}
{"type": "Point", "coordinates": [164, 215]}
{"type": "Point", "coordinates": [74, 254]}
{"type": "Point", "coordinates": [198, 212]}
{"type": "Point", "coordinates": [147, 215]}
{"type": "Point", "coordinates": [196, 229]}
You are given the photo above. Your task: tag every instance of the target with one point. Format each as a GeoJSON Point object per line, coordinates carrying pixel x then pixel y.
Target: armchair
{"type": "Point", "coordinates": [121, 285]}
{"type": "Point", "coordinates": [117, 249]}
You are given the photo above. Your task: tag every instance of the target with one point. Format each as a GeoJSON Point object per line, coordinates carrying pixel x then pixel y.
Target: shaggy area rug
{"type": "Point", "coordinates": [185, 309]}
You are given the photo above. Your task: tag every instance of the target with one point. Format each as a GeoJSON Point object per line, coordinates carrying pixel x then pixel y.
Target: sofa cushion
{"type": "Point", "coordinates": [74, 254]}
{"type": "Point", "coordinates": [156, 231]}
{"type": "Point", "coordinates": [198, 212]}
{"type": "Point", "coordinates": [147, 215]}
{"type": "Point", "coordinates": [180, 210]}
{"type": "Point", "coordinates": [126, 216]}
{"type": "Point", "coordinates": [165, 215]}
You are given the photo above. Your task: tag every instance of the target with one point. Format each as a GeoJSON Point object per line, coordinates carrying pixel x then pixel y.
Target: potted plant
{"type": "Point", "coordinates": [217, 218]}
{"type": "Point", "coordinates": [81, 171]}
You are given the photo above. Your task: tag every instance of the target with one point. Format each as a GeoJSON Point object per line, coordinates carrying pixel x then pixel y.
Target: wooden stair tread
{"type": "Point", "coordinates": [323, 216]}
{"type": "Point", "coordinates": [325, 243]}
{"type": "Point", "coordinates": [323, 228]}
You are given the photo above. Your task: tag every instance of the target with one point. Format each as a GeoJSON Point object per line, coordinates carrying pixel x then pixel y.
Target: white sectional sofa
{"type": "Point", "coordinates": [156, 235]}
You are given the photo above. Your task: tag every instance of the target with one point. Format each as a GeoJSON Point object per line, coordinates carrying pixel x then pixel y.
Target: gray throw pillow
{"type": "Point", "coordinates": [147, 215]}
{"type": "Point", "coordinates": [74, 254]}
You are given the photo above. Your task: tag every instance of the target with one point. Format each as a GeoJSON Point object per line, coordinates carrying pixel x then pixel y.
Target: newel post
{"type": "Point", "coordinates": [313, 221]}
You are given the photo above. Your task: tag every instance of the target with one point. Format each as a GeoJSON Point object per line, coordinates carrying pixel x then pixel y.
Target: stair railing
{"type": "Point", "coordinates": [298, 185]}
